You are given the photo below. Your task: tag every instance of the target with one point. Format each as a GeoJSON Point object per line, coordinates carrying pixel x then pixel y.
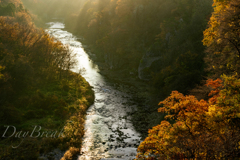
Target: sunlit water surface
{"type": "Point", "coordinates": [109, 132]}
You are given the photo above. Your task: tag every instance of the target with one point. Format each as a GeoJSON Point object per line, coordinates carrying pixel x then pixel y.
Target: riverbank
{"type": "Point", "coordinates": [143, 93]}
{"type": "Point", "coordinates": [65, 103]}
{"type": "Point", "coordinates": [109, 130]}
{"type": "Point", "coordinates": [127, 81]}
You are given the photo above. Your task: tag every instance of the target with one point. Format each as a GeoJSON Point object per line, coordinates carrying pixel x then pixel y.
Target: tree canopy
{"type": "Point", "coordinates": [205, 129]}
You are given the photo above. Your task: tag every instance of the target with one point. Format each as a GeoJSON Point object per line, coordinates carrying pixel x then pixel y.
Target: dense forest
{"type": "Point", "coordinates": [176, 46]}
{"type": "Point", "coordinates": [186, 51]}
{"type": "Point", "coordinates": [37, 87]}
{"type": "Point", "coordinates": [204, 129]}
{"type": "Point", "coordinates": [160, 40]}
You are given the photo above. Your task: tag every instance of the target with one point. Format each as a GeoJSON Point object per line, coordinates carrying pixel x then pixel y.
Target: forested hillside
{"type": "Point", "coordinates": [205, 129]}
{"type": "Point", "coordinates": [158, 40]}
{"type": "Point", "coordinates": [37, 87]}
{"type": "Point", "coordinates": [158, 43]}
{"type": "Point", "coordinates": [186, 51]}
{"type": "Point", "coordinates": [47, 9]}
{"type": "Point", "coordinates": [163, 42]}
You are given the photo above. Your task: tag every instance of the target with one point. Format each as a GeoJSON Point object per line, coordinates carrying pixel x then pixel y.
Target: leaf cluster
{"type": "Point", "coordinates": [201, 129]}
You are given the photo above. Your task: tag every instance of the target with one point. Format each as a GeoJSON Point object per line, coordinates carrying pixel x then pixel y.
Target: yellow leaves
{"type": "Point", "coordinates": [214, 113]}
{"type": "Point", "coordinates": [1, 69]}
{"type": "Point", "coordinates": [211, 33]}
{"type": "Point", "coordinates": [219, 41]}
{"type": "Point", "coordinates": [217, 52]}
{"type": "Point", "coordinates": [220, 36]}
{"type": "Point", "coordinates": [238, 115]}
{"type": "Point", "coordinates": [200, 126]}
{"type": "Point", "coordinates": [211, 110]}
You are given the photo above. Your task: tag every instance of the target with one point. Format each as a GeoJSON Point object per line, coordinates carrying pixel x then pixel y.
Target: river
{"type": "Point", "coordinates": [109, 133]}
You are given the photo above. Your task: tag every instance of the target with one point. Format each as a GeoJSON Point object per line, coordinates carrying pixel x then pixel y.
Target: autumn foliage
{"type": "Point", "coordinates": [205, 129]}
{"type": "Point", "coordinates": [222, 38]}
{"type": "Point", "coordinates": [200, 129]}
{"type": "Point", "coordinates": [122, 33]}
{"type": "Point", "coordinates": [37, 86]}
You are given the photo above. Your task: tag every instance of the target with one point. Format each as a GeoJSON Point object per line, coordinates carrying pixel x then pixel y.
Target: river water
{"type": "Point", "coordinates": [109, 133]}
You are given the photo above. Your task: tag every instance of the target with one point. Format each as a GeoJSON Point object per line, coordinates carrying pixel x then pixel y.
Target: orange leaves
{"type": "Point", "coordinates": [201, 130]}
{"type": "Point", "coordinates": [216, 85]}
{"type": "Point", "coordinates": [178, 106]}
{"type": "Point", "coordinates": [173, 140]}
{"type": "Point", "coordinates": [156, 143]}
